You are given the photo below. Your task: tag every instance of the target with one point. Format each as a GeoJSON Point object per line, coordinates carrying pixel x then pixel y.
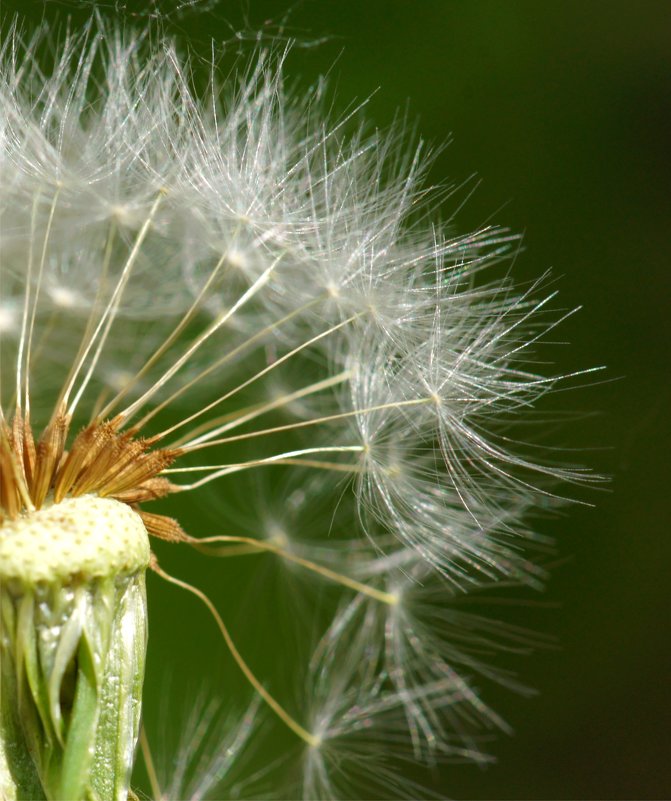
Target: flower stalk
{"type": "Point", "coordinates": [73, 634]}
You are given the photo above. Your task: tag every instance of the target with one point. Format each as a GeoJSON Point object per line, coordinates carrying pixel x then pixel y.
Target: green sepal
{"type": "Point", "coordinates": [70, 688]}
{"type": "Point", "coordinates": [77, 754]}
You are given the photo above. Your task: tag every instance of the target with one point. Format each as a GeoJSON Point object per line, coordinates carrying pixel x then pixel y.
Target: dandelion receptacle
{"type": "Point", "coordinates": [206, 287]}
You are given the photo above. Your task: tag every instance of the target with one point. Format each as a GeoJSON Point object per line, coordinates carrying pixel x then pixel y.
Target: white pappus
{"type": "Point", "coordinates": [197, 287]}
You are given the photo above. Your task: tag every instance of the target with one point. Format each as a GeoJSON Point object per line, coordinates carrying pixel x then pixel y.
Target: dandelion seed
{"type": "Point", "coordinates": [193, 291]}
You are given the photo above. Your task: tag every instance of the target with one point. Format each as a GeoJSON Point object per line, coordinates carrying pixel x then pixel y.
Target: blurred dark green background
{"type": "Point", "coordinates": [560, 112]}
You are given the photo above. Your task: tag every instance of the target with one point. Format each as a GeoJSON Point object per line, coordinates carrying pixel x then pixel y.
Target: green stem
{"type": "Point", "coordinates": [73, 636]}
{"type": "Point", "coordinates": [72, 664]}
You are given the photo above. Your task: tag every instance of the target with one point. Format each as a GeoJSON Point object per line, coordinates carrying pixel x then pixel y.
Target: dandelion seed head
{"type": "Point", "coordinates": [195, 290]}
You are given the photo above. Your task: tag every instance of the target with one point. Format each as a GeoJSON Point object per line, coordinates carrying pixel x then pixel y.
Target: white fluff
{"type": "Point", "coordinates": [323, 324]}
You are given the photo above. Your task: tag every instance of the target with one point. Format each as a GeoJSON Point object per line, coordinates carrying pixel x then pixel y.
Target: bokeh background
{"type": "Point", "coordinates": [558, 117]}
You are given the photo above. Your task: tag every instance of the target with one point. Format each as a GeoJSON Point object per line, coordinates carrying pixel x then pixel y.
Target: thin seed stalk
{"type": "Point", "coordinates": [73, 634]}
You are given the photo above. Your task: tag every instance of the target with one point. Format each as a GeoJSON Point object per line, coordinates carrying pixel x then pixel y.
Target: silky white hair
{"type": "Point", "coordinates": [243, 276]}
